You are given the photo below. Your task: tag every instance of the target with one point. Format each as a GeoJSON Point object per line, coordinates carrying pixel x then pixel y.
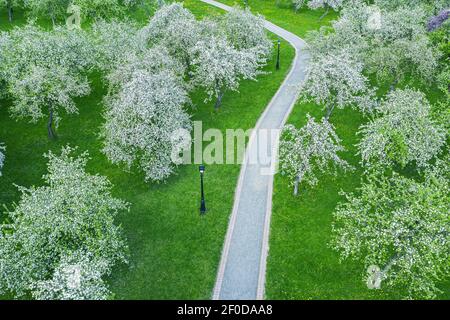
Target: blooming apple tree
{"type": "Point", "coordinates": [220, 67]}
{"type": "Point", "coordinates": [42, 91]}
{"type": "Point", "coordinates": [151, 60]}
{"type": "Point", "coordinates": [176, 28]}
{"type": "Point", "coordinates": [402, 133]}
{"type": "Point", "coordinates": [246, 31]}
{"type": "Point", "coordinates": [45, 71]}
{"type": "Point", "coordinates": [393, 62]}
{"type": "Point", "coordinates": [401, 227]}
{"type": "Point", "coordinates": [141, 119]}
{"type": "Point", "coordinates": [337, 80]}
{"type": "Point", "coordinates": [310, 149]}
{"type": "Point", "coordinates": [68, 222]}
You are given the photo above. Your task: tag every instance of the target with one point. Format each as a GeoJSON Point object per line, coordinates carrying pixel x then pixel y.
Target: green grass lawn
{"type": "Point", "coordinates": [301, 264]}
{"type": "Point", "coordinates": [297, 22]}
{"type": "Point", "coordinates": [174, 253]}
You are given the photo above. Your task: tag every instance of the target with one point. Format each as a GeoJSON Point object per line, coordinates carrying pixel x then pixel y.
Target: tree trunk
{"type": "Point", "coordinates": [296, 182]}
{"type": "Point", "coordinates": [219, 101]}
{"type": "Point", "coordinates": [393, 85]}
{"type": "Point", "coordinates": [329, 112]}
{"type": "Point", "coordinates": [51, 132]}
{"type": "Point", "coordinates": [188, 67]}
{"type": "Point", "coordinates": [147, 10]}
{"type": "Point", "coordinates": [10, 12]}
{"type": "Point", "coordinates": [326, 12]}
{"type": "Point", "coordinates": [53, 18]}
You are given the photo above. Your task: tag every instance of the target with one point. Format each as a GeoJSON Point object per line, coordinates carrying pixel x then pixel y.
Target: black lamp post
{"type": "Point", "coordinates": [203, 204]}
{"type": "Point", "coordinates": [278, 55]}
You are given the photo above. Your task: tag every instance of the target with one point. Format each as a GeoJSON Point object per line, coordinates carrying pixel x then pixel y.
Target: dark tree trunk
{"type": "Point", "coordinates": [326, 12]}
{"type": "Point", "coordinates": [51, 132]}
{"type": "Point", "coordinates": [296, 182]}
{"type": "Point", "coordinates": [10, 12]}
{"type": "Point", "coordinates": [219, 101]}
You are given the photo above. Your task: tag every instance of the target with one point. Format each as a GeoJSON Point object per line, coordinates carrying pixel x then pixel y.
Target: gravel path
{"type": "Point", "coordinates": [242, 268]}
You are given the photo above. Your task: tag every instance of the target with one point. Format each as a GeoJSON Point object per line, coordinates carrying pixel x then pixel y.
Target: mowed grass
{"type": "Point", "coordinates": [174, 252]}
{"type": "Point", "coordinates": [301, 263]}
{"type": "Point", "coordinates": [284, 16]}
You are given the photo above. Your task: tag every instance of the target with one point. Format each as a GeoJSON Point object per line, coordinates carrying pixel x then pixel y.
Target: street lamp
{"type": "Point", "coordinates": [202, 205]}
{"type": "Point", "coordinates": [278, 55]}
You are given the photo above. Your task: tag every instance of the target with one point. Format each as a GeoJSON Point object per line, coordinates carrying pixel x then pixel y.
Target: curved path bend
{"type": "Point", "coordinates": [242, 269]}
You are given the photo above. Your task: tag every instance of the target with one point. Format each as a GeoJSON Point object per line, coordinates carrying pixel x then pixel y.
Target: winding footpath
{"type": "Point", "coordinates": [242, 270]}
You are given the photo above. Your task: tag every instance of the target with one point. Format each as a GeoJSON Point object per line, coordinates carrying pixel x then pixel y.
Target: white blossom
{"type": "Point", "coordinates": [308, 150]}
{"type": "Point", "coordinates": [78, 276]}
{"type": "Point", "coordinates": [151, 60]}
{"type": "Point", "coordinates": [337, 80]}
{"type": "Point", "coordinates": [2, 157]}
{"type": "Point", "coordinates": [220, 67]}
{"type": "Point", "coordinates": [246, 31]}
{"type": "Point", "coordinates": [72, 212]}
{"type": "Point", "coordinates": [403, 132]}
{"type": "Point", "coordinates": [113, 41]}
